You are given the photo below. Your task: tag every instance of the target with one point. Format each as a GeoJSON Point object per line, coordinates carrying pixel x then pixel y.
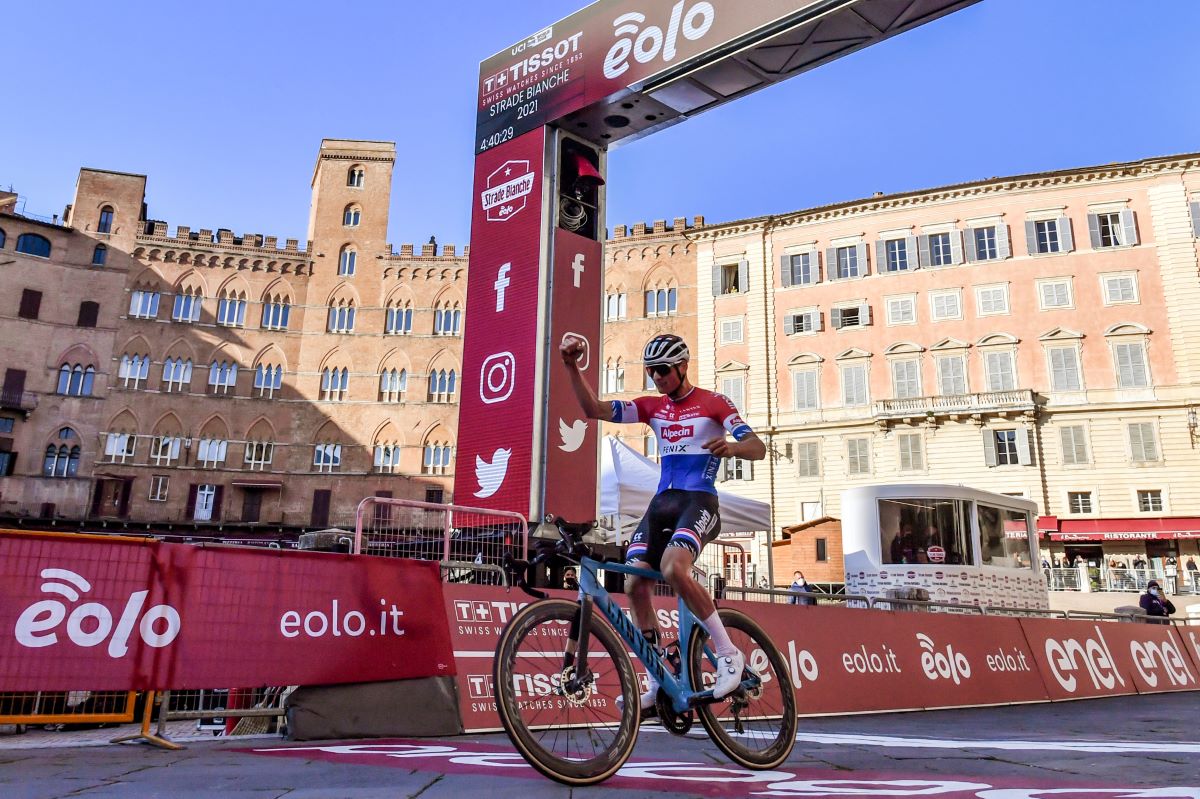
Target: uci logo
{"type": "Point", "coordinates": [91, 623]}
{"type": "Point", "coordinates": [647, 43]}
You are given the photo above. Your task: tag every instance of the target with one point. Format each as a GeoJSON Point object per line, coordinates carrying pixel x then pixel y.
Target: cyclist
{"type": "Point", "coordinates": [690, 424]}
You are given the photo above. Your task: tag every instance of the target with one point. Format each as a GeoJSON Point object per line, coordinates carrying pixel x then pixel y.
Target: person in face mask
{"type": "Point", "coordinates": [1156, 604]}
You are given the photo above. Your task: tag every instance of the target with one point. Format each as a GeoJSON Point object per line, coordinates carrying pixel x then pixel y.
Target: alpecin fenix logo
{"type": "Point", "coordinates": [92, 623]}
{"type": "Point", "coordinates": [507, 190]}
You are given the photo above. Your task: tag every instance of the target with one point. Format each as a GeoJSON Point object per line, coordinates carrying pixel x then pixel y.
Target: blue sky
{"type": "Point", "coordinates": [223, 104]}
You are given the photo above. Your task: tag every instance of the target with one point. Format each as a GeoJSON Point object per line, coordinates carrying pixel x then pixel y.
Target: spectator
{"type": "Point", "coordinates": [800, 589]}
{"type": "Point", "coordinates": [1156, 604]}
{"type": "Point", "coordinates": [902, 545]}
{"type": "Point", "coordinates": [570, 580]}
{"type": "Point", "coordinates": [1191, 565]}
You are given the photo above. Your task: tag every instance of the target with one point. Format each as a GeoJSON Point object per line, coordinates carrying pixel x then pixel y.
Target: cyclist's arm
{"type": "Point", "coordinates": [750, 448]}
{"type": "Point", "coordinates": [592, 407]}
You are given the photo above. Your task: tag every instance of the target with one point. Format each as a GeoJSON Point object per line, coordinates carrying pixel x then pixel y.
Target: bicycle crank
{"type": "Point", "coordinates": [674, 723]}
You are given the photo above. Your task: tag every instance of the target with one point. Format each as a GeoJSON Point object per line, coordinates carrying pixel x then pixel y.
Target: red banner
{"type": "Point", "coordinates": [123, 615]}
{"type": "Point", "coordinates": [845, 660]}
{"type": "Point", "coordinates": [573, 440]}
{"type": "Point", "coordinates": [500, 345]}
{"type": "Point", "coordinates": [601, 50]}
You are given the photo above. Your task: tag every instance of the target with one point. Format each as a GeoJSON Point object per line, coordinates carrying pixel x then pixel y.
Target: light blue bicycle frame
{"type": "Point", "coordinates": [682, 698]}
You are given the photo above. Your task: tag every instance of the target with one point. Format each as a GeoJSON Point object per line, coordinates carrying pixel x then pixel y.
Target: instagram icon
{"type": "Point", "coordinates": [497, 377]}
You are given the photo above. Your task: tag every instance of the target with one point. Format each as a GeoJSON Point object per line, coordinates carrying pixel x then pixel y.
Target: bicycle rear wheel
{"type": "Point", "coordinates": [576, 737]}
{"type": "Point", "coordinates": [756, 728]}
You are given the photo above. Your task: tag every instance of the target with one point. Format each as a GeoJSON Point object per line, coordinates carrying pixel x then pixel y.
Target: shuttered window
{"type": "Point", "coordinates": [912, 458]}
{"type": "Point", "coordinates": [1064, 369]}
{"type": "Point", "coordinates": [1130, 359]}
{"type": "Point", "coordinates": [952, 375]}
{"type": "Point", "coordinates": [1001, 376]}
{"type": "Point", "coordinates": [854, 385]}
{"type": "Point", "coordinates": [906, 379]}
{"type": "Point", "coordinates": [804, 388]}
{"type": "Point", "coordinates": [858, 456]}
{"type": "Point", "coordinates": [1074, 444]}
{"type": "Point", "coordinates": [1143, 446]}
{"type": "Point", "coordinates": [808, 459]}
{"type": "Point", "coordinates": [31, 304]}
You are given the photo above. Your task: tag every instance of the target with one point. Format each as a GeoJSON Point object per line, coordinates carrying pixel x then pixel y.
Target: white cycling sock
{"type": "Point", "coordinates": [720, 638]}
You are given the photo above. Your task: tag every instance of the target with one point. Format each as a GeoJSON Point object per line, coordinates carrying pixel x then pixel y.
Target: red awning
{"type": "Point", "coordinates": [1047, 524]}
{"type": "Point", "coordinates": [1155, 529]}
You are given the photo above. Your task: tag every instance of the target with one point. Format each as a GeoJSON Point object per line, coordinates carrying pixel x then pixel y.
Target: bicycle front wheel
{"type": "Point", "coordinates": [569, 727]}
{"type": "Point", "coordinates": [755, 727]}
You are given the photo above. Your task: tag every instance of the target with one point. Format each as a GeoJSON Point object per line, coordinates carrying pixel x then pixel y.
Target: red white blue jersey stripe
{"type": "Point", "coordinates": [682, 427]}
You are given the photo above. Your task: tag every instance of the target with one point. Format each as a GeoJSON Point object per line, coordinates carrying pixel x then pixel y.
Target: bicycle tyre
{"type": "Point", "coordinates": [773, 712]}
{"type": "Point", "coordinates": [537, 634]}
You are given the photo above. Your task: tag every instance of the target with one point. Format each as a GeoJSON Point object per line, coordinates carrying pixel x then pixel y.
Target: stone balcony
{"type": "Point", "coordinates": [955, 406]}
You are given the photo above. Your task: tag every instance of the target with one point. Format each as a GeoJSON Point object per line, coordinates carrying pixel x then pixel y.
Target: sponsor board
{"type": "Point", "coordinates": [124, 615]}
{"type": "Point", "coordinates": [601, 51]}
{"type": "Point", "coordinates": [500, 351]}
{"type": "Point", "coordinates": [574, 311]}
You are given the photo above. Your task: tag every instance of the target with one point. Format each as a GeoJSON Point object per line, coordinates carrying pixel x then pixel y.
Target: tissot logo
{"type": "Point", "coordinates": [674, 432]}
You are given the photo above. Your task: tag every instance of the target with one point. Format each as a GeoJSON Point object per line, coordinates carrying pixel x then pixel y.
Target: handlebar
{"type": "Point", "coordinates": [570, 547]}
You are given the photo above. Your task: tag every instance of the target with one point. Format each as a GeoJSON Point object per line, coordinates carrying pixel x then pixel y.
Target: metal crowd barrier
{"type": "Point", "coordinates": [68, 707]}
{"type": "Point", "coordinates": [407, 528]}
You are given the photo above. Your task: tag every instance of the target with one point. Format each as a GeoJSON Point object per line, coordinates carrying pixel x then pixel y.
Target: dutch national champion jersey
{"type": "Point", "coordinates": [682, 428]}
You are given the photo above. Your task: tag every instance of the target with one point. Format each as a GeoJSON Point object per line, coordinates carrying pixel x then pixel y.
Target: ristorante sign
{"type": "Point", "coordinates": [609, 47]}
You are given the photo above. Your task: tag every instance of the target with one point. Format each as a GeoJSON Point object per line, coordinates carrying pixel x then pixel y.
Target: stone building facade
{"type": "Point", "coordinates": [1033, 335]}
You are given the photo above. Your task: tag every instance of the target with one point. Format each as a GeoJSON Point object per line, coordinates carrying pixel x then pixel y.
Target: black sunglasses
{"type": "Point", "coordinates": [660, 369]}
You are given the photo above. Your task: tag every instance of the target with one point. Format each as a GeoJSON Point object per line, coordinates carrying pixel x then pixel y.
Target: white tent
{"type": "Point", "coordinates": [628, 481]}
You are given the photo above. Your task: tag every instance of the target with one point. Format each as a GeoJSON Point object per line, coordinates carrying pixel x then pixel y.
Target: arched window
{"type": "Point", "coordinates": [355, 177]}
{"type": "Point", "coordinates": [106, 220]}
{"type": "Point", "coordinates": [437, 457]}
{"type": "Point", "coordinates": [33, 244]}
{"type": "Point", "coordinates": [222, 377]}
{"type": "Point", "coordinates": [177, 374]}
{"type": "Point", "coordinates": [275, 313]}
{"type": "Point", "coordinates": [119, 446]}
{"type": "Point", "coordinates": [392, 385]}
{"type": "Point", "coordinates": [231, 309]}
{"type": "Point", "coordinates": [268, 379]}
{"type": "Point", "coordinates": [662, 301]}
{"type": "Point", "coordinates": [387, 457]}
{"type": "Point", "coordinates": [442, 384]}
{"type": "Point", "coordinates": [188, 303]}
{"type": "Point", "coordinates": [352, 216]}
{"type": "Point", "coordinates": [346, 262]}
{"type": "Point", "coordinates": [100, 255]}
{"type": "Point", "coordinates": [327, 457]}
{"type": "Point", "coordinates": [399, 319]}
{"type": "Point", "coordinates": [341, 316]}
{"type": "Point", "coordinates": [447, 319]}
{"type": "Point", "coordinates": [75, 380]}
{"type": "Point", "coordinates": [133, 370]}
{"type": "Point", "coordinates": [335, 384]}
{"type": "Point", "coordinates": [62, 459]}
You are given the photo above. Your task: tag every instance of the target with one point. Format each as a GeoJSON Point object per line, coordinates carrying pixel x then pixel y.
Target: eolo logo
{"type": "Point", "coordinates": [91, 623]}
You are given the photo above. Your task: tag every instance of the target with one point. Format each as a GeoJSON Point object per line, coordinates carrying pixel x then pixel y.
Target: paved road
{"type": "Point", "coordinates": [1134, 747]}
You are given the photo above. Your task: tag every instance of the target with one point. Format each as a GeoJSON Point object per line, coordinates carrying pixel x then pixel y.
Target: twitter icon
{"type": "Point", "coordinates": [572, 434]}
{"type": "Point", "coordinates": [491, 475]}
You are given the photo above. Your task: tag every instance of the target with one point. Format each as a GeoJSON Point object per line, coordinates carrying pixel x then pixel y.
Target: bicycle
{"type": "Point", "coordinates": [557, 692]}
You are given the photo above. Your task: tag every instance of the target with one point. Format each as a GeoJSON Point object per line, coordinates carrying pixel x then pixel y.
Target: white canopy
{"type": "Point", "coordinates": [628, 481]}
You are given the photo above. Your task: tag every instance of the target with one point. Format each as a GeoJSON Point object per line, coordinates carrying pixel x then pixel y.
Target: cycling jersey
{"type": "Point", "coordinates": [682, 427]}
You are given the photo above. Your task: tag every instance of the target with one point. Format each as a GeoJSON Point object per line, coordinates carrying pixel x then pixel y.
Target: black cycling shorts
{"type": "Point", "coordinates": [675, 518]}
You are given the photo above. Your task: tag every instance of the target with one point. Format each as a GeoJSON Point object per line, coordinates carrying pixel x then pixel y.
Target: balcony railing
{"type": "Point", "coordinates": [25, 401]}
{"type": "Point", "coordinates": [945, 405]}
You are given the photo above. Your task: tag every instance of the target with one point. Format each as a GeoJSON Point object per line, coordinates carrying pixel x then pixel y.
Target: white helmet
{"type": "Point", "coordinates": [666, 349]}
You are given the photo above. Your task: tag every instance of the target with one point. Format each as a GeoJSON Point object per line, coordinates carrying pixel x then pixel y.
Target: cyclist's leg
{"type": "Point", "coordinates": [645, 551]}
{"type": "Point", "coordinates": [698, 524]}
